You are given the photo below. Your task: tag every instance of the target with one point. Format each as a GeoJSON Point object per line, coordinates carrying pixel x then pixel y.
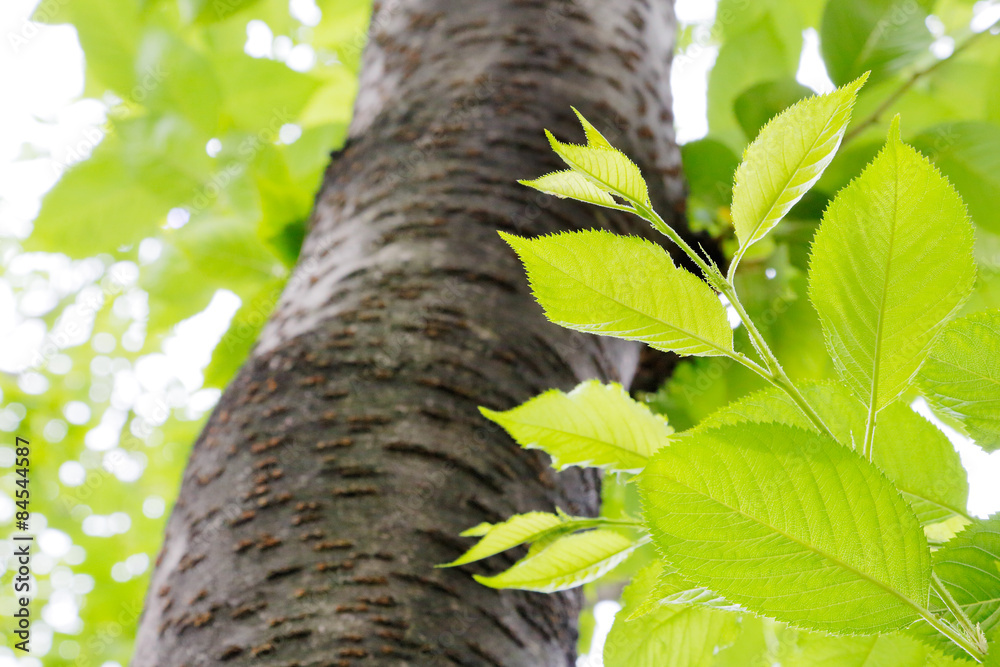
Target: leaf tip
{"type": "Point", "coordinates": [857, 84]}
{"type": "Point", "coordinates": [894, 134]}
{"type": "Point", "coordinates": [485, 581]}
{"type": "Point", "coordinates": [511, 239]}
{"type": "Point", "coordinates": [477, 530]}
{"type": "Point", "coordinates": [555, 143]}
{"type": "Point", "coordinates": [492, 415]}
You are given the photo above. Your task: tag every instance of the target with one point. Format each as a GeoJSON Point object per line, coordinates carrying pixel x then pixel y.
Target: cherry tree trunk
{"type": "Point", "coordinates": [348, 453]}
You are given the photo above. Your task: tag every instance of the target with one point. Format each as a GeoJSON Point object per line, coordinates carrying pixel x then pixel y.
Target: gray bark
{"type": "Point", "coordinates": [347, 454]}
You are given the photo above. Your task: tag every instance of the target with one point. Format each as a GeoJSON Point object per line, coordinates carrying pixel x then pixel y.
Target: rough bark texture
{"type": "Point", "coordinates": [348, 453]}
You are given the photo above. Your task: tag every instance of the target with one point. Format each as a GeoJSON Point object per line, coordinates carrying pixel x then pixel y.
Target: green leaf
{"type": "Point", "coordinates": [968, 153]}
{"type": "Point", "coordinates": [187, 84]}
{"type": "Point", "coordinates": [99, 205]}
{"type": "Point", "coordinates": [839, 409]}
{"type": "Point", "coordinates": [961, 377]}
{"type": "Point", "coordinates": [922, 463]}
{"type": "Point", "coordinates": [709, 166]}
{"type": "Point", "coordinates": [672, 590]}
{"type": "Point", "coordinates": [751, 647]}
{"type": "Point", "coordinates": [881, 36]}
{"type": "Point", "coordinates": [573, 185]}
{"type": "Point", "coordinates": [565, 563]}
{"type": "Point", "coordinates": [759, 103]}
{"type": "Point", "coordinates": [262, 95]}
{"type": "Point", "coordinates": [969, 567]}
{"type": "Point", "coordinates": [788, 524]}
{"type": "Point", "coordinates": [919, 459]}
{"type": "Point", "coordinates": [594, 136]}
{"type": "Point", "coordinates": [761, 41]}
{"type": "Point", "coordinates": [607, 167]}
{"type": "Point", "coordinates": [594, 425]}
{"type": "Point", "coordinates": [891, 263]}
{"type": "Point", "coordinates": [785, 159]}
{"type": "Point", "coordinates": [516, 530]}
{"type": "Point", "coordinates": [818, 650]}
{"type": "Point", "coordinates": [623, 286]}
{"type": "Point", "coordinates": [672, 636]}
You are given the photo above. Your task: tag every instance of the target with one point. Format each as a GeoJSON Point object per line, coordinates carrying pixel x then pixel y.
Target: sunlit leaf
{"type": "Point", "coordinates": [670, 636]}
{"type": "Point", "coordinates": [789, 524]}
{"type": "Point", "coordinates": [565, 563]}
{"type": "Point", "coordinates": [962, 376]}
{"type": "Point", "coordinates": [626, 287]}
{"type": "Point", "coordinates": [891, 263]}
{"type": "Point", "coordinates": [593, 425]}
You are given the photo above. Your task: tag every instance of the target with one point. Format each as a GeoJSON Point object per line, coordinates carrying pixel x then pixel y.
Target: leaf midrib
{"type": "Point", "coordinates": [760, 223]}
{"type": "Point", "coordinates": [608, 186]}
{"type": "Point", "coordinates": [877, 355]}
{"type": "Point", "coordinates": [571, 573]}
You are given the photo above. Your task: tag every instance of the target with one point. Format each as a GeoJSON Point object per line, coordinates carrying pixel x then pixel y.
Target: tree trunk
{"type": "Point", "coordinates": [347, 454]}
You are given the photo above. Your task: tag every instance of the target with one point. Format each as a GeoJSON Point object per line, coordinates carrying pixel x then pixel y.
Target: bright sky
{"type": "Point", "coordinates": [46, 124]}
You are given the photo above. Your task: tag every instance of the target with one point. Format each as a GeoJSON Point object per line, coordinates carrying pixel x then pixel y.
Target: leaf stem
{"type": "Point", "coordinates": [772, 370]}
{"type": "Point", "coordinates": [660, 225]}
{"type": "Point", "coordinates": [954, 635]}
{"type": "Point", "coordinates": [777, 375]}
{"type": "Point", "coordinates": [971, 630]}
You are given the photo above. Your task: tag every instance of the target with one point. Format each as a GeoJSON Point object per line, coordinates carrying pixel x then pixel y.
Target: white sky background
{"type": "Point", "coordinates": [44, 123]}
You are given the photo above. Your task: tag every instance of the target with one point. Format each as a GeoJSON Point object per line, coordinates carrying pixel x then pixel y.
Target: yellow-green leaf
{"type": "Point", "coordinates": [623, 286]}
{"type": "Point", "coordinates": [594, 425]}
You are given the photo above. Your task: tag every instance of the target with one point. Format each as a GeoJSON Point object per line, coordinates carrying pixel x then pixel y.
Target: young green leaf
{"type": "Point", "coordinates": [962, 376]}
{"type": "Point", "coordinates": [891, 263]}
{"type": "Point", "coordinates": [565, 563]}
{"type": "Point", "coordinates": [673, 636]}
{"type": "Point", "coordinates": [785, 160]}
{"type": "Point", "coordinates": [593, 425]}
{"type": "Point", "coordinates": [599, 169]}
{"type": "Point", "coordinates": [594, 138]}
{"type": "Point", "coordinates": [789, 524]}
{"type": "Point", "coordinates": [516, 530]}
{"type": "Point", "coordinates": [922, 463]}
{"type": "Point", "coordinates": [607, 167]}
{"type": "Point", "coordinates": [623, 286]}
{"type": "Point", "coordinates": [574, 186]}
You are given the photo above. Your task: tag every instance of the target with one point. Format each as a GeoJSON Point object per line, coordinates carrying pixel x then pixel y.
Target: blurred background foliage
{"type": "Point", "coordinates": [144, 278]}
{"type": "Point", "coordinates": [219, 119]}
